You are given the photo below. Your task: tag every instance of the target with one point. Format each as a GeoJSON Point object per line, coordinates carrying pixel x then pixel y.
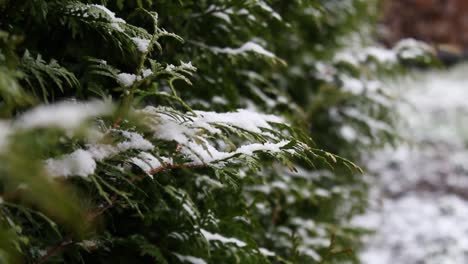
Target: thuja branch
{"type": "Point", "coordinates": [112, 202]}
{"type": "Point", "coordinates": [104, 207]}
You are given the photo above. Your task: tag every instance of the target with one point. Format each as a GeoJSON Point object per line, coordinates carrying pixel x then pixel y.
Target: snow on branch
{"type": "Point", "coordinates": [79, 163]}
{"type": "Point", "coordinates": [142, 44]}
{"type": "Point", "coordinates": [115, 21]}
{"type": "Point", "coordinates": [82, 162]}
{"type": "Point", "coordinates": [407, 49]}
{"type": "Point", "coordinates": [190, 259]}
{"type": "Point", "coordinates": [245, 49]}
{"type": "Point", "coordinates": [68, 115]}
{"type": "Point", "coordinates": [411, 49]}
{"type": "Point", "coordinates": [200, 137]}
{"type": "Point", "coordinates": [222, 239]}
{"type": "Point", "coordinates": [269, 10]}
{"type": "Point", "coordinates": [95, 11]}
{"type": "Point", "coordinates": [186, 131]}
{"type": "Point", "coordinates": [203, 138]}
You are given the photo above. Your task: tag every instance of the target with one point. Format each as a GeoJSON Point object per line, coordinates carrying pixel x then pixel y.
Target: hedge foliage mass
{"type": "Point", "coordinates": [188, 131]}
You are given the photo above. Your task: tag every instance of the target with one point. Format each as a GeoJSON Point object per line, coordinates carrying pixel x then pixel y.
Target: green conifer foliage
{"type": "Point", "coordinates": [188, 131]}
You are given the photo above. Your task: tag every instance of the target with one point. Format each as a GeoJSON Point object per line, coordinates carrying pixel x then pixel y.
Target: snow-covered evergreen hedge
{"type": "Point", "coordinates": [187, 131]}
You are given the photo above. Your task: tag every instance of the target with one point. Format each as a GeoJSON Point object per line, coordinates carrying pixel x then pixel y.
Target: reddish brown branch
{"type": "Point", "coordinates": [53, 251]}
{"type": "Point", "coordinates": [117, 122]}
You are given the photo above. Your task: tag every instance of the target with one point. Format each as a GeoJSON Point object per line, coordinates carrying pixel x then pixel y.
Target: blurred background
{"type": "Point", "coordinates": [441, 23]}
{"type": "Point", "coordinates": [419, 193]}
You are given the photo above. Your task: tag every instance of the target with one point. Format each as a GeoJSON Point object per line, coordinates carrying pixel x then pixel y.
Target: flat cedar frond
{"type": "Point", "coordinates": [46, 79]}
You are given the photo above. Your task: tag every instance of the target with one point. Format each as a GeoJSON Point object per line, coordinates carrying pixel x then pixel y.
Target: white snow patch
{"type": "Point", "coordinates": [266, 252]}
{"type": "Point", "coordinates": [219, 100]}
{"type": "Point", "coordinates": [78, 163]}
{"type": "Point", "coordinates": [143, 165]}
{"type": "Point", "coordinates": [66, 115]}
{"type": "Point", "coordinates": [142, 44]}
{"type": "Point", "coordinates": [208, 154]}
{"type": "Point", "coordinates": [223, 16]}
{"type": "Point", "coordinates": [190, 259]}
{"type": "Point", "coordinates": [126, 79]}
{"type": "Point", "coordinates": [150, 159]}
{"type": "Point", "coordinates": [242, 118]}
{"type": "Point", "coordinates": [189, 210]}
{"type": "Point", "coordinates": [268, 9]}
{"type": "Point", "coordinates": [135, 141]}
{"type": "Point", "coordinates": [418, 229]}
{"type": "Point", "coordinates": [201, 150]}
{"type": "Point", "coordinates": [348, 133]}
{"type": "Point", "coordinates": [411, 48]}
{"type": "Point", "coordinates": [147, 162]}
{"type": "Point", "coordinates": [146, 73]}
{"type": "Point", "coordinates": [352, 85]}
{"type": "Point", "coordinates": [246, 47]}
{"type": "Point", "coordinates": [361, 55]}
{"type": "Point", "coordinates": [115, 21]}
{"type": "Point", "coordinates": [418, 201]}
{"type": "Point", "coordinates": [381, 54]}
{"type": "Point", "coordinates": [82, 162]}
{"type": "Point", "coordinates": [212, 182]}
{"type": "Point", "coordinates": [225, 240]}
{"type": "Point", "coordinates": [109, 13]}
{"type": "Point", "coordinates": [406, 49]}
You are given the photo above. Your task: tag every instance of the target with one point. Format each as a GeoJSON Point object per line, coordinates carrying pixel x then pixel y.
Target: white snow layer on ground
{"type": "Point", "coordinates": [419, 199]}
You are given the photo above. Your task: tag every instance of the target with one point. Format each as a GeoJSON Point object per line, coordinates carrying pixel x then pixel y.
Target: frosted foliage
{"type": "Point", "coordinates": [135, 141]}
{"type": "Point", "coordinates": [266, 252]}
{"type": "Point", "coordinates": [411, 48]}
{"type": "Point", "coordinates": [115, 21]}
{"type": "Point", "coordinates": [79, 163]}
{"type": "Point", "coordinates": [126, 79]}
{"type": "Point", "coordinates": [246, 47]}
{"type": "Point", "coordinates": [186, 130]}
{"type": "Point", "coordinates": [190, 259]}
{"type": "Point", "coordinates": [109, 13]}
{"type": "Point", "coordinates": [142, 44]}
{"type": "Point", "coordinates": [357, 57]}
{"type": "Point", "coordinates": [69, 116]}
{"type": "Point", "coordinates": [406, 49]}
{"type": "Point", "coordinates": [268, 9]}
{"type": "Point", "coordinates": [242, 118]}
{"type": "Point", "coordinates": [222, 16]}
{"type": "Point", "coordinates": [82, 162]}
{"type": "Point", "coordinates": [201, 150]}
{"type": "Point", "coordinates": [422, 213]}
{"type": "Point", "coordinates": [222, 239]}
{"type": "Point", "coordinates": [66, 115]}
{"type": "Point", "coordinates": [208, 154]}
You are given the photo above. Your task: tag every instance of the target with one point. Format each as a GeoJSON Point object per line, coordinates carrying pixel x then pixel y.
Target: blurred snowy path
{"type": "Point", "coordinates": [419, 199]}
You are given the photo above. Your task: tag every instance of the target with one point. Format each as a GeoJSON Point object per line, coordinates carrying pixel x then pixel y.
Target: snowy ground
{"type": "Point", "coordinates": [419, 202]}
